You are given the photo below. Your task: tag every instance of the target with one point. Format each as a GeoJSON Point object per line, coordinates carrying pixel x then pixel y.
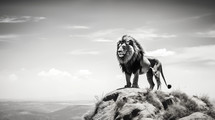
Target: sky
{"type": "Point", "coordinates": [66, 50]}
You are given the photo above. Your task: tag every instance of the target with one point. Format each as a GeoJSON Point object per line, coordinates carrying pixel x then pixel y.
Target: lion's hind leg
{"type": "Point", "coordinates": [157, 77]}
{"type": "Point", "coordinates": [149, 76]}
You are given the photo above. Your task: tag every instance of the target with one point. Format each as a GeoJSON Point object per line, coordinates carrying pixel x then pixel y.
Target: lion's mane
{"type": "Point", "coordinates": [131, 62]}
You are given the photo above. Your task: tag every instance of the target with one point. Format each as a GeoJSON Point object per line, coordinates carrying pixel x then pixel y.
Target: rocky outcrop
{"type": "Point", "coordinates": [197, 116]}
{"type": "Point", "coordinates": [143, 104]}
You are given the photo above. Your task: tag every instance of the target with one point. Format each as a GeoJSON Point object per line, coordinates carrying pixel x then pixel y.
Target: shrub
{"type": "Point", "coordinates": [211, 113]}
{"type": "Point", "coordinates": [182, 96]}
{"type": "Point", "coordinates": [152, 99]}
{"type": "Point", "coordinates": [189, 104]}
{"type": "Point", "coordinates": [174, 112]}
{"type": "Point", "coordinates": [90, 114]}
{"type": "Point", "coordinates": [161, 95]}
{"type": "Point", "coordinates": [205, 99]}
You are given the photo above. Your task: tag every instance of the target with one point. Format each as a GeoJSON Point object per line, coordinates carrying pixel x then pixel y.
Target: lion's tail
{"type": "Point", "coordinates": [167, 85]}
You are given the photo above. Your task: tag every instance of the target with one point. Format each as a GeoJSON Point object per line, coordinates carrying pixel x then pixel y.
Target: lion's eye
{"type": "Point", "coordinates": [118, 44]}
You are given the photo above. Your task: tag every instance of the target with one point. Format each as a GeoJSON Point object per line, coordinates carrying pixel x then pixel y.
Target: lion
{"type": "Point", "coordinates": [132, 60]}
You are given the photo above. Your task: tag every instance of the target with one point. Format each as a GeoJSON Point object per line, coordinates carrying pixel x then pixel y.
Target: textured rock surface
{"type": "Point", "coordinates": [143, 104]}
{"type": "Point", "coordinates": [197, 116]}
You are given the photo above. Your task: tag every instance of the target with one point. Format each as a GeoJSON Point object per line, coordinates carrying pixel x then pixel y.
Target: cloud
{"type": "Point", "coordinates": [144, 33]}
{"type": "Point", "coordinates": [105, 33]}
{"type": "Point", "coordinates": [83, 52]}
{"type": "Point", "coordinates": [210, 34]}
{"type": "Point", "coordinates": [76, 27]}
{"type": "Point", "coordinates": [9, 36]}
{"type": "Point", "coordinates": [190, 18]}
{"type": "Point", "coordinates": [82, 74]}
{"type": "Point", "coordinates": [103, 40]}
{"type": "Point", "coordinates": [136, 33]}
{"type": "Point", "coordinates": [160, 52]}
{"type": "Point", "coordinates": [195, 17]}
{"type": "Point", "coordinates": [54, 73]}
{"type": "Point", "coordinates": [100, 34]}
{"type": "Point", "coordinates": [111, 35]}
{"type": "Point", "coordinates": [78, 36]}
{"type": "Point", "coordinates": [210, 62]}
{"type": "Point", "coordinates": [37, 19]}
{"type": "Point", "coordinates": [13, 77]}
{"type": "Point", "coordinates": [199, 51]}
{"type": "Point", "coordinates": [197, 62]}
{"type": "Point", "coordinates": [20, 19]}
{"type": "Point", "coordinates": [200, 56]}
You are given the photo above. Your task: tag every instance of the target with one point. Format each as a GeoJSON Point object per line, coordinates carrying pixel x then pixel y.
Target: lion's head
{"type": "Point", "coordinates": [128, 48]}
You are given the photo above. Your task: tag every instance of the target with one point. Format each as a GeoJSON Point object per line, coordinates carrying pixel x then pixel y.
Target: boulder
{"type": "Point", "coordinates": [144, 104]}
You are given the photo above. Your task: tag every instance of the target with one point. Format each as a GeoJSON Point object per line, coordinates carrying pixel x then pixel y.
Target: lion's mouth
{"type": "Point", "coordinates": [121, 53]}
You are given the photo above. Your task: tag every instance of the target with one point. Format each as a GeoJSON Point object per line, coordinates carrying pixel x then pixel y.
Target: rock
{"type": "Point", "coordinates": [144, 104]}
{"type": "Point", "coordinates": [167, 102]}
{"type": "Point", "coordinates": [197, 116]}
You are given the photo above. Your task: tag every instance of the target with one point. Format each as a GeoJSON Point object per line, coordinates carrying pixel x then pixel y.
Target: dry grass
{"type": "Point", "coordinates": [175, 112]}
{"type": "Point", "coordinates": [161, 95]}
{"type": "Point", "coordinates": [152, 99]}
{"type": "Point", "coordinates": [185, 107]}
{"type": "Point", "coordinates": [205, 99]}
{"type": "Point", "coordinates": [211, 111]}
{"type": "Point", "coordinates": [90, 114]}
{"type": "Point", "coordinates": [189, 104]}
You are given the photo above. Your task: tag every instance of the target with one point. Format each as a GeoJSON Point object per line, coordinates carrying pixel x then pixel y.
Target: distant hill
{"type": "Point", "coordinates": [143, 104]}
{"type": "Point", "coordinates": [42, 111]}
{"type": "Point", "coordinates": [71, 112]}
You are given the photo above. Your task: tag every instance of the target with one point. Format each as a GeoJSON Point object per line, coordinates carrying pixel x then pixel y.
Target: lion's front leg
{"type": "Point", "coordinates": [135, 80]}
{"type": "Point", "coordinates": [128, 82]}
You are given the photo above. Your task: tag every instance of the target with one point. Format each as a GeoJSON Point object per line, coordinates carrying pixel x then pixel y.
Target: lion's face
{"type": "Point", "coordinates": [122, 48]}
{"type": "Point", "coordinates": [125, 48]}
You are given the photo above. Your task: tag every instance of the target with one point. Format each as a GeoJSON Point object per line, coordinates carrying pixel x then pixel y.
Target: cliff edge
{"type": "Point", "coordinates": [143, 104]}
